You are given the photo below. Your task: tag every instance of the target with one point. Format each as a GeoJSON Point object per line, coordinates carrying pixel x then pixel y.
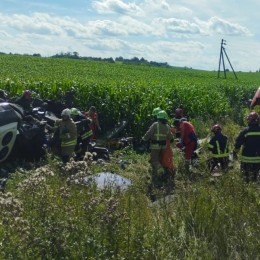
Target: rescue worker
{"type": "Point", "coordinates": [158, 133]}
{"type": "Point", "coordinates": [25, 101]}
{"type": "Point", "coordinates": [84, 132]}
{"type": "Point", "coordinates": [67, 135]}
{"type": "Point", "coordinates": [219, 147]}
{"type": "Point", "coordinates": [249, 140]}
{"type": "Point", "coordinates": [188, 140]}
{"type": "Point", "coordinates": [95, 126]}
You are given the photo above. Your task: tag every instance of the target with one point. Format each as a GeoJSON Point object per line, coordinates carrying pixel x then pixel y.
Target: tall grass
{"type": "Point", "coordinates": [48, 213]}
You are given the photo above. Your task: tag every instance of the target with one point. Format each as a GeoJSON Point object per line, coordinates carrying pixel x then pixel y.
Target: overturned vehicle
{"type": "Point", "coordinates": [20, 137]}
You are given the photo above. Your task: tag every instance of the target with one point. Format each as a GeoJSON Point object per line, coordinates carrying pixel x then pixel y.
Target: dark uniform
{"type": "Point", "coordinates": [218, 145]}
{"type": "Point", "coordinates": [249, 140]}
{"type": "Point", "coordinates": [84, 134]}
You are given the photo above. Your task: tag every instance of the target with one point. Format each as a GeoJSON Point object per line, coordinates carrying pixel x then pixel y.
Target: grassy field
{"type": "Point", "coordinates": [48, 213]}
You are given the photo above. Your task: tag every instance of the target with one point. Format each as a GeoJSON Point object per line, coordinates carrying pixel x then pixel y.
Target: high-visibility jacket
{"type": "Point", "coordinates": [83, 127]}
{"type": "Point", "coordinates": [218, 145]}
{"type": "Point", "coordinates": [68, 135]}
{"type": "Point", "coordinates": [157, 134]}
{"type": "Point", "coordinates": [249, 140]}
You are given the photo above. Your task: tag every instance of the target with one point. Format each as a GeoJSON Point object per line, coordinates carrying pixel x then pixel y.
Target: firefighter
{"type": "Point", "coordinates": [158, 133]}
{"type": "Point", "coordinates": [83, 130]}
{"type": "Point", "coordinates": [25, 101]}
{"type": "Point", "coordinates": [249, 140]}
{"type": "Point", "coordinates": [219, 147]}
{"type": "Point", "coordinates": [67, 135]}
{"type": "Point", "coordinates": [188, 140]}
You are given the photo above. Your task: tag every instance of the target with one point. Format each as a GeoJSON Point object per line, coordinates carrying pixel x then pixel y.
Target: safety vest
{"type": "Point", "coordinates": [158, 133]}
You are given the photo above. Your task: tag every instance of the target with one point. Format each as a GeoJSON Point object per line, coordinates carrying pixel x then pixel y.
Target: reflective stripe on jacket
{"type": "Point", "coordinates": [249, 140]}
{"type": "Point", "coordinates": [157, 134]}
{"type": "Point", "coordinates": [218, 145]}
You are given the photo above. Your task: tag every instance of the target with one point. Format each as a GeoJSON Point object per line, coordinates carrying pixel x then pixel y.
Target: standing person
{"type": "Point", "coordinates": [249, 140]}
{"type": "Point", "coordinates": [95, 126]}
{"type": "Point", "coordinates": [158, 133]}
{"type": "Point", "coordinates": [218, 145]}
{"type": "Point", "coordinates": [67, 135]}
{"type": "Point", "coordinates": [188, 140]}
{"type": "Point", "coordinates": [25, 101]}
{"type": "Point", "coordinates": [83, 130]}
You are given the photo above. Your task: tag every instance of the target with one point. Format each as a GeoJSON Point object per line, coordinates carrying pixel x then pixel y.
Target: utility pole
{"type": "Point", "coordinates": [221, 59]}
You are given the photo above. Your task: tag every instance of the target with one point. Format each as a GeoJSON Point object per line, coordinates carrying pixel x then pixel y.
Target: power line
{"type": "Point", "coordinates": [221, 59]}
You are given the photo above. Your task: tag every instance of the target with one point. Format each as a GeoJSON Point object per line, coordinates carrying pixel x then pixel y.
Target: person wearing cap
{"type": "Point", "coordinates": [25, 101]}
{"type": "Point", "coordinates": [219, 147]}
{"type": "Point", "coordinates": [188, 140]}
{"type": "Point", "coordinates": [249, 140]}
{"type": "Point", "coordinates": [67, 131]}
{"type": "Point", "coordinates": [83, 130]}
{"type": "Point", "coordinates": [158, 133]}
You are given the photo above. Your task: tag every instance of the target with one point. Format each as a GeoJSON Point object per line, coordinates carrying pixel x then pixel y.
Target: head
{"type": "Point", "coordinates": [65, 114]}
{"type": "Point", "coordinates": [179, 112]}
{"type": "Point", "coordinates": [253, 118]}
{"type": "Point", "coordinates": [74, 112]}
{"type": "Point", "coordinates": [27, 94]}
{"type": "Point", "coordinates": [216, 129]}
{"type": "Point", "coordinates": [155, 112]}
{"type": "Point", "coordinates": [162, 116]}
{"type": "Point", "coordinates": [92, 109]}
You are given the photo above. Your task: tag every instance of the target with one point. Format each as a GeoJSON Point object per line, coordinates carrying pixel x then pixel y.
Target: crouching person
{"type": "Point", "coordinates": [158, 133]}
{"type": "Point", "coordinates": [67, 135]}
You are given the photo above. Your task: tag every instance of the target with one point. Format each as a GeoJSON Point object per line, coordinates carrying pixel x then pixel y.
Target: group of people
{"type": "Point", "coordinates": [160, 135]}
{"type": "Point", "coordinates": [73, 131]}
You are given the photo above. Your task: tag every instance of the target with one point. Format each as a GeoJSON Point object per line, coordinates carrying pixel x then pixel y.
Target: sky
{"type": "Point", "coordinates": [181, 32]}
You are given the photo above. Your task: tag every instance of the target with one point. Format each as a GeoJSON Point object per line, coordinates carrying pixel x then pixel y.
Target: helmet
{"type": "Point", "coordinates": [74, 112]}
{"type": "Point", "coordinates": [27, 93]}
{"type": "Point", "coordinates": [162, 115]}
{"type": "Point", "coordinates": [216, 128]}
{"type": "Point", "coordinates": [65, 112]}
{"type": "Point", "coordinates": [253, 117]}
{"type": "Point", "coordinates": [156, 111]}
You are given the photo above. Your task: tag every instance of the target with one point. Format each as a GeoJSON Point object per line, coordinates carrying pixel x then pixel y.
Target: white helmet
{"type": "Point", "coordinates": [65, 112]}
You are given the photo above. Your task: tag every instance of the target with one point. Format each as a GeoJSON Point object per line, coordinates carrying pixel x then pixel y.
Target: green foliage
{"type": "Point", "coordinates": [50, 214]}
{"type": "Point", "coordinates": [121, 91]}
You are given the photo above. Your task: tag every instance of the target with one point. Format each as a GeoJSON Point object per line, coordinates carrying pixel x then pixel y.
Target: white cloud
{"type": "Point", "coordinates": [117, 6]}
{"type": "Point", "coordinates": [220, 26]}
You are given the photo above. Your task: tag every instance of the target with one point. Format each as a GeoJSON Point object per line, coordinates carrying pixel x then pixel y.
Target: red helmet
{"type": "Point", "coordinates": [216, 128]}
{"type": "Point", "coordinates": [253, 117]}
{"type": "Point", "coordinates": [27, 93]}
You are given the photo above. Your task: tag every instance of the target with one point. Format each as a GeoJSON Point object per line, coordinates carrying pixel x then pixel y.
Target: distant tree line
{"type": "Point", "coordinates": [75, 55]}
{"type": "Point", "coordinates": [134, 60]}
